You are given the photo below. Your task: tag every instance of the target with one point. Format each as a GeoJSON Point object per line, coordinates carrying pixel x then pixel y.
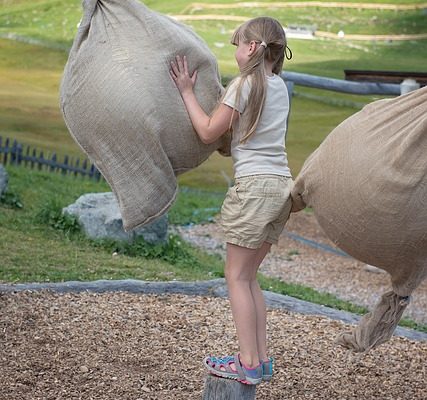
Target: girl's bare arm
{"type": "Point", "coordinates": [208, 128]}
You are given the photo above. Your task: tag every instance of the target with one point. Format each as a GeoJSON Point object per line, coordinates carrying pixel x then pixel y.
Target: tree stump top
{"type": "Point", "coordinates": [227, 389]}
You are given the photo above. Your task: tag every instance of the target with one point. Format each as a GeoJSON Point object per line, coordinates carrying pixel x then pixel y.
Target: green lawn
{"type": "Point", "coordinates": [38, 245]}
{"type": "Point", "coordinates": [30, 75]}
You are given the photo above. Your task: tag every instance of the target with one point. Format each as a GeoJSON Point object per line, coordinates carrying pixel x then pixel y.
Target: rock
{"type": "Point", "coordinates": [99, 215]}
{"type": "Point", "coordinates": [4, 179]}
{"type": "Point", "coordinates": [213, 287]}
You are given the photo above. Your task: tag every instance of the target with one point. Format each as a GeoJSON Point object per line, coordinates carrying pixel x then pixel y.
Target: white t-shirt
{"type": "Point", "coordinates": [264, 151]}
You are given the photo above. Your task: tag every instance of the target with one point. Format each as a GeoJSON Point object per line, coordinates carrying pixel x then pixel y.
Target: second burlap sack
{"type": "Point", "coordinates": [367, 185]}
{"type": "Point", "coordinates": [123, 109]}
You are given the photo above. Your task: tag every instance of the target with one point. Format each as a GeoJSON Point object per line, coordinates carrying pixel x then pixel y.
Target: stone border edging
{"type": "Point", "coordinates": [214, 287]}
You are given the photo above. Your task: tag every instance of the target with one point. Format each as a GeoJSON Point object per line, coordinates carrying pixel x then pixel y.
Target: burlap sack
{"type": "Point", "coordinates": [367, 184]}
{"type": "Point", "coordinates": [123, 109]}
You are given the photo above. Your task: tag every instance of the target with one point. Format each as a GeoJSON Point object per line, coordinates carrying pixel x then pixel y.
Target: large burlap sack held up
{"type": "Point", "coordinates": [367, 184]}
{"type": "Point", "coordinates": [123, 109]}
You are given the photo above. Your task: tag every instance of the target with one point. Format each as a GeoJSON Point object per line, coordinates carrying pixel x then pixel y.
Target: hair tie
{"type": "Point", "coordinates": [288, 53]}
{"type": "Point", "coordinates": [263, 44]}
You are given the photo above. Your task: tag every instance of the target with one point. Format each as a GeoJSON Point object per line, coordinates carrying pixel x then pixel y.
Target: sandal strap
{"type": "Point", "coordinates": [223, 362]}
{"type": "Point", "coordinates": [238, 366]}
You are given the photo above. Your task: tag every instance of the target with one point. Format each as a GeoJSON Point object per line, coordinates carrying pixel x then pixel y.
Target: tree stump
{"type": "Point", "coordinates": [227, 389]}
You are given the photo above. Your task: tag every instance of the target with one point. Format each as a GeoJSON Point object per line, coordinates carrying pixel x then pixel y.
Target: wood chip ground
{"type": "Point", "coordinates": [127, 346]}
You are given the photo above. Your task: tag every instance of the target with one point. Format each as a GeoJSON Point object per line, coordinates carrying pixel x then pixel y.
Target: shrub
{"type": "Point", "coordinates": [51, 214]}
{"type": "Point", "coordinates": [11, 200]}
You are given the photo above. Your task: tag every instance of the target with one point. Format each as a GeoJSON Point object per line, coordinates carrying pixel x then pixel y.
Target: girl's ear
{"type": "Point", "coordinates": [252, 47]}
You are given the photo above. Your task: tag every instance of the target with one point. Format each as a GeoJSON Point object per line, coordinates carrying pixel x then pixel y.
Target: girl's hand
{"type": "Point", "coordinates": [179, 73]}
{"type": "Point", "coordinates": [209, 128]}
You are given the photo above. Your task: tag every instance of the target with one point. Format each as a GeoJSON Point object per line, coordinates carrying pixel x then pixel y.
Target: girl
{"type": "Point", "coordinates": [257, 207]}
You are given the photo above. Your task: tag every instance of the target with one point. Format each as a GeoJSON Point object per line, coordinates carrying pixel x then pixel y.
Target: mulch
{"type": "Point", "coordinates": [130, 346]}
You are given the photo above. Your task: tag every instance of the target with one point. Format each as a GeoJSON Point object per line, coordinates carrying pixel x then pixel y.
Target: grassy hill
{"type": "Point", "coordinates": [30, 74]}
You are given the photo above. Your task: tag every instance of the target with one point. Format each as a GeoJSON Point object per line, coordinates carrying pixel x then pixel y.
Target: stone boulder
{"type": "Point", "coordinates": [4, 179]}
{"type": "Point", "coordinates": [99, 215]}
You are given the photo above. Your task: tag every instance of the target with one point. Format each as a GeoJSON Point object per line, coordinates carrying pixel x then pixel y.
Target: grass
{"type": "Point", "coordinates": [30, 75]}
{"type": "Point", "coordinates": [363, 21]}
{"type": "Point", "coordinates": [39, 244]}
{"type": "Point", "coordinates": [56, 22]}
{"type": "Point", "coordinates": [29, 107]}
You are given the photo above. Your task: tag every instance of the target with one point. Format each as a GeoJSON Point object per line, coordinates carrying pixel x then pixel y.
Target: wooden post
{"type": "Point", "coordinates": [84, 168]}
{"type": "Point", "coordinates": [40, 160]}
{"type": "Point", "coordinates": [6, 151]}
{"type": "Point", "coordinates": [27, 156]}
{"type": "Point", "coordinates": [53, 161]}
{"type": "Point", "coordinates": [76, 167]}
{"type": "Point", "coordinates": [19, 154]}
{"type": "Point", "coordinates": [227, 389]}
{"type": "Point", "coordinates": [408, 85]}
{"type": "Point", "coordinates": [64, 167]}
{"type": "Point", "coordinates": [33, 158]}
{"type": "Point", "coordinates": [14, 153]}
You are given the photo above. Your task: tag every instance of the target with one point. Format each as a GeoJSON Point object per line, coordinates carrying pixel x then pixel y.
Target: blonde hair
{"type": "Point", "coordinates": [270, 33]}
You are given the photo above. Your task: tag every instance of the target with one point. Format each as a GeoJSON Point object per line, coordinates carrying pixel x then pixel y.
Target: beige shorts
{"type": "Point", "coordinates": [255, 210]}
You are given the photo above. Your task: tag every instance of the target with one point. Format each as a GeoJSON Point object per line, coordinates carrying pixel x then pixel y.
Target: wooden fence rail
{"type": "Point", "coordinates": [14, 153]}
{"type": "Point", "coordinates": [17, 154]}
{"type": "Point", "coordinates": [342, 86]}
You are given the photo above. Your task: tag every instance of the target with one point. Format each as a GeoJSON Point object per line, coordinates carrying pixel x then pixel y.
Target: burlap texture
{"type": "Point", "coordinates": [123, 109]}
{"type": "Point", "coordinates": [367, 185]}
{"type": "Point", "coordinates": [377, 326]}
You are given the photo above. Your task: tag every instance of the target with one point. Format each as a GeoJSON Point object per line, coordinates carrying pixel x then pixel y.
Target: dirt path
{"type": "Point", "coordinates": [320, 34]}
{"type": "Point", "coordinates": [307, 4]}
{"type": "Point", "coordinates": [297, 262]}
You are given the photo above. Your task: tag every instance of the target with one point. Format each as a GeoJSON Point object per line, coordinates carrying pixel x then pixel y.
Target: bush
{"type": "Point", "coordinates": [175, 251]}
{"type": "Point", "coordinates": [11, 200]}
{"type": "Point", "coordinates": [51, 214]}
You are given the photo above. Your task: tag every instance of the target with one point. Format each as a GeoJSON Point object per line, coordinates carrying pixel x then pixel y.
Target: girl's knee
{"type": "Point", "coordinates": [229, 274]}
{"type": "Point", "coordinates": [235, 275]}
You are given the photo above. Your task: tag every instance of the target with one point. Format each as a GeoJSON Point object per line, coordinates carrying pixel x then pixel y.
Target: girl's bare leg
{"type": "Point", "coordinates": [247, 301]}
{"type": "Point", "coordinates": [261, 312]}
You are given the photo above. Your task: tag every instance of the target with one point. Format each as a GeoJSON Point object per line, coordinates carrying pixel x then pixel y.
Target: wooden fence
{"type": "Point", "coordinates": [342, 86]}
{"type": "Point", "coordinates": [18, 154]}
{"type": "Point", "coordinates": [14, 153]}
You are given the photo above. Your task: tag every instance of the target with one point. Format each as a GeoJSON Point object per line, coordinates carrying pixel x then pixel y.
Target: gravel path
{"type": "Point", "coordinates": [297, 262]}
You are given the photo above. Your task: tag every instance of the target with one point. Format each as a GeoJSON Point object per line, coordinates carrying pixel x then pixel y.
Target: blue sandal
{"type": "Point", "coordinates": [222, 367]}
{"type": "Point", "coordinates": [267, 369]}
